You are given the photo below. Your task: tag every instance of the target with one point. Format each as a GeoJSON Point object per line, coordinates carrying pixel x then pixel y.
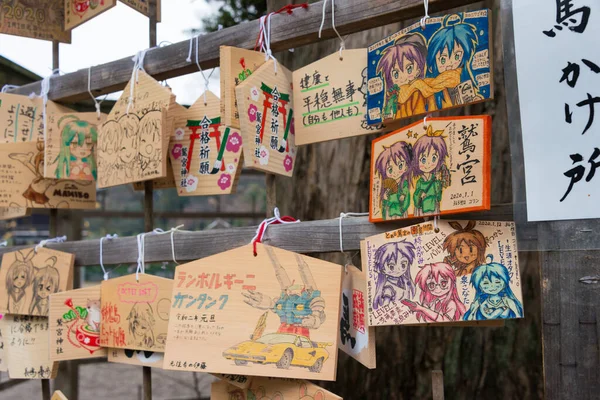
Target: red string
{"type": "Point", "coordinates": [288, 9]}
{"type": "Point", "coordinates": [263, 227]}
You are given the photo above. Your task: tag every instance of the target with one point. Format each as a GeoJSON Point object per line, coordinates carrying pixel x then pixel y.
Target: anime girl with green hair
{"type": "Point", "coordinates": [76, 159]}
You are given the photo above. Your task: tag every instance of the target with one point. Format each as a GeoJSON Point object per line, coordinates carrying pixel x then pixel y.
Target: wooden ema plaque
{"type": "Point", "coordinates": [168, 181]}
{"type": "Point", "coordinates": [26, 346]}
{"type": "Point", "coordinates": [133, 146]}
{"type": "Point", "coordinates": [79, 11]}
{"type": "Point", "coordinates": [3, 344]}
{"type": "Point", "coordinates": [272, 389]}
{"type": "Point", "coordinates": [357, 339]}
{"type": "Point", "coordinates": [142, 358]}
{"type": "Point", "coordinates": [135, 313]}
{"type": "Point", "coordinates": [441, 168]}
{"type": "Point", "coordinates": [236, 65]}
{"type": "Point", "coordinates": [330, 98]}
{"type": "Point", "coordinates": [30, 276]}
{"type": "Point", "coordinates": [240, 381]}
{"type": "Point", "coordinates": [205, 154]}
{"type": "Point", "coordinates": [58, 395]}
{"type": "Point", "coordinates": [13, 212]}
{"type": "Point", "coordinates": [22, 182]}
{"type": "Point", "coordinates": [267, 119]}
{"type": "Point", "coordinates": [275, 314]}
{"type": "Point", "coordinates": [466, 271]}
{"type": "Point", "coordinates": [417, 71]}
{"type": "Point", "coordinates": [70, 147]}
{"type": "Point", "coordinates": [143, 7]}
{"type": "Point", "coordinates": [37, 19]}
{"type": "Point", "coordinates": [22, 118]}
{"type": "Point", "coordinates": [75, 324]}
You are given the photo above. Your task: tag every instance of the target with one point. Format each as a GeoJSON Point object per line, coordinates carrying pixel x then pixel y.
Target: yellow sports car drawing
{"type": "Point", "coordinates": [281, 349]}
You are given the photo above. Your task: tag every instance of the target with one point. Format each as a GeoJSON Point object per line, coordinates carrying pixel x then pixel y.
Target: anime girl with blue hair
{"type": "Point", "coordinates": [450, 52]}
{"type": "Point", "coordinates": [494, 298]}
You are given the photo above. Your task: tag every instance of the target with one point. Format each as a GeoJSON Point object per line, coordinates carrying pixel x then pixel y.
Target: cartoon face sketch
{"type": "Point", "coordinates": [18, 278]}
{"type": "Point", "coordinates": [466, 247]}
{"type": "Point", "coordinates": [394, 165]}
{"type": "Point", "coordinates": [76, 159]}
{"type": "Point", "coordinates": [128, 147]}
{"type": "Point", "coordinates": [392, 268]}
{"type": "Point", "coordinates": [438, 300]}
{"type": "Point", "coordinates": [493, 296]}
{"type": "Point", "coordinates": [149, 138]}
{"type": "Point", "coordinates": [45, 282]}
{"type": "Point", "coordinates": [430, 169]}
{"type": "Point", "coordinates": [141, 324]}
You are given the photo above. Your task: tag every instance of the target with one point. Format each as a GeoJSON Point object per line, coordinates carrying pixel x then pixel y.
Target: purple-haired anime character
{"type": "Point", "coordinates": [392, 266]}
{"type": "Point", "coordinates": [400, 65]}
{"type": "Point", "coordinates": [394, 166]}
{"type": "Point", "coordinates": [429, 165]}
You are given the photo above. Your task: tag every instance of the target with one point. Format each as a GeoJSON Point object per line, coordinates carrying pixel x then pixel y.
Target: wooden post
{"type": "Point", "coordinates": [53, 221]}
{"type": "Point", "coordinates": [149, 197]}
{"type": "Point", "coordinates": [437, 384]}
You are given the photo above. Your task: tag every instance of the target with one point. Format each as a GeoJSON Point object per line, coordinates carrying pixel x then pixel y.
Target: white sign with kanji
{"type": "Point", "coordinates": [558, 71]}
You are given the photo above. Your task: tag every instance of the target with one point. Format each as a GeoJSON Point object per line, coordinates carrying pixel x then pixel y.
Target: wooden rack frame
{"type": "Point", "coordinates": [570, 249]}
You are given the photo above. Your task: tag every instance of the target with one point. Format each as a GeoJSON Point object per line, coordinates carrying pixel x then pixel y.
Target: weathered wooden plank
{"type": "Point", "coordinates": [304, 237]}
{"type": "Point", "coordinates": [287, 31]}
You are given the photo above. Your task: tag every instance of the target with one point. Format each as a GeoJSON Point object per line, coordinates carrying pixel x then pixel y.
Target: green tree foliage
{"type": "Point", "coordinates": [232, 12]}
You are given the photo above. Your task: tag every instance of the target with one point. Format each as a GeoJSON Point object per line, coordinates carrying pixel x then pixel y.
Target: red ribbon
{"type": "Point", "coordinates": [263, 227]}
{"type": "Point", "coordinates": [289, 9]}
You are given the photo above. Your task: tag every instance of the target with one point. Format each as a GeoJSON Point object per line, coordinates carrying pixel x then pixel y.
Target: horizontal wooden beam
{"type": "Point", "coordinates": [303, 237]}
{"type": "Point", "coordinates": [159, 214]}
{"type": "Point", "coordinates": [287, 31]}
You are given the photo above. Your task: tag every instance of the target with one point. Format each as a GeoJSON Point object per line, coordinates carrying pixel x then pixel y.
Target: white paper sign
{"type": "Point", "coordinates": [558, 65]}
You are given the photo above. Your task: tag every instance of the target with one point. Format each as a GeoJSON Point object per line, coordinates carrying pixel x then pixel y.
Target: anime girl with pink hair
{"type": "Point", "coordinates": [438, 301]}
{"type": "Point", "coordinates": [394, 167]}
{"type": "Point", "coordinates": [399, 66]}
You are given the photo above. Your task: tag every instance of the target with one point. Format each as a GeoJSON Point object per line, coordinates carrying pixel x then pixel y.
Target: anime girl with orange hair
{"type": "Point", "coordinates": [466, 248]}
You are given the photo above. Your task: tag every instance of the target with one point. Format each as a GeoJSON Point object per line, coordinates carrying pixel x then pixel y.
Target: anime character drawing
{"type": "Point", "coordinates": [77, 158]}
{"type": "Point", "coordinates": [450, 53]}
{"type": "Point", "coordinates": [466, 248]}
{"type": "Point", "coordinates": [430, 171]}
{"type": "Point", "coordinates": [141, 325]}
{"type": "Point", "coordinates": [46, 281]}
{"type": "Point", "coordinates": [39, 186]}
{"type": "Point", "coordinates": [392, 266]}
{"type": "Point", "coordinates": [18, 279]}
{"type": "Point", "coordinates": [299, 307]}
{"type": "Point", "coordinates": [394, 165]}
{"type": "Point", "coordinates": [149, 143]}
{"type": "Point", "coordinates": [401, 65]}
{"type": "Point", "coordinates": [438, 300]}
{"type": "Point", "coordinates": [494, 298]}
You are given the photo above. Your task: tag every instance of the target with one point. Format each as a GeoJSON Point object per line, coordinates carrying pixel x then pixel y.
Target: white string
{"type": "Point", "coordinates": [342, 42]}
{"type": "Point", "coordinates": [342, 216]}
{"type": "Point", "coordinates": [265, 28]}
{"type": "Point", "coordinates": [268, 221]}
{"type": "Point", "coordinates": [435, 223]}
{"type": "Point", "coordinates": [138, 64]}
{"type": "Point", "coordinates": [424, 19]}
{"type": "Point", "coordinates": [141, 266]}
{"type": "Point", "coordinates": [4, 243]}
{"type": "Point", "coordinates": [45, 89]}
{"type": "Point", "coordinates": [108, 236]}
{"type": "Point", "coordinates": [8, 87]}
{"type": "Point", "coordinates": [172, 231]}
{"type": "Point", "coordinates": [96, 102]}
{"type": "Point", "coordinates": [425, 121]}
{"type": "Point", "coordinates": [58, 239]}
{"type": "Point", "coordinates": [189, 59]}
